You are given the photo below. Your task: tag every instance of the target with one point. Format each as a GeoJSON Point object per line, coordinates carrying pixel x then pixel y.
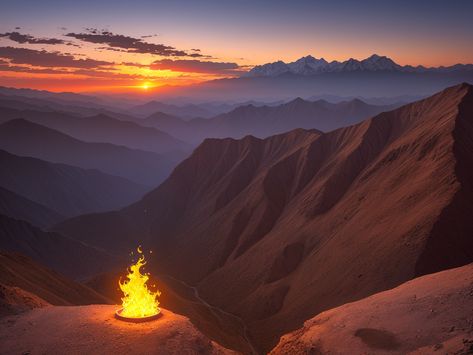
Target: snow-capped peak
{"type": "Point", "coordinates": [269, 69]}
{"type": "Point", "coordinates": [309, 65]}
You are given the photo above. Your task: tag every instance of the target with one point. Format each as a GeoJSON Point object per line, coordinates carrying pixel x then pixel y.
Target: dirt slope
{"type": "Point", "coordinates": [14, 300]}
{"type": "Point", "coordinates": [19, 271]}
{"type": "Point", "coordinates": [94, 330]}
{"type": "Point", "coordinates": [430, 314]}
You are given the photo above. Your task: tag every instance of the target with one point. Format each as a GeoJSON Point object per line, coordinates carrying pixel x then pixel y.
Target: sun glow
{"type": "Point", "coordinates": [138, 300]}
{"type": "Point", "coordinates": [145, 86]}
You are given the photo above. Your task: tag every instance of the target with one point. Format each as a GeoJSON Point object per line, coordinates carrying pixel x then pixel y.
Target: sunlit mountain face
{"type": "Point", "coordinates": [236, 177]}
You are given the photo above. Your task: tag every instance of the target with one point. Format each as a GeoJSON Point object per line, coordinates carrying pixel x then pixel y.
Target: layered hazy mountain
{"type": "Point", "coordinates": [101, 128]}
{"type": "Point", "coordinates": [19, 207]}
{"type": "Point", "coordinates": [25, 138]}
{"type": "Point", "coordinates": [66, 190]}
{"type": "Point", "coordinates": [264, 121]}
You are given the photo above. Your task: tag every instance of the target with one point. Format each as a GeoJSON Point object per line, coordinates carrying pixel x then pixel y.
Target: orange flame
{"type": "Point", "coordinates": [138, 300]}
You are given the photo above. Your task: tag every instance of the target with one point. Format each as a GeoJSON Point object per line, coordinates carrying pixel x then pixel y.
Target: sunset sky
{"type": "Point", "coordinates": [138, 45]}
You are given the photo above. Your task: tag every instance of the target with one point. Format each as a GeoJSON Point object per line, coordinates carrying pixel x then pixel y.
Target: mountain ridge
{"type": "Point", "coordinates": [101, 128]}
{"type": "Point", "coordinates": [19, 207]}
{"type": "Point", "coordinates": [264, 121]}
{"type": "Point", "coordinates": [68, 189]}
{"type": "Point", "coordinates": [309, 65]}
{"type": "Point", "coordinates": [22, 137]}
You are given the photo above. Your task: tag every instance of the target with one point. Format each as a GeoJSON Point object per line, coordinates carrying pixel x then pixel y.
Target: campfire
{"type": "Point", "coordinates": [139, 303]}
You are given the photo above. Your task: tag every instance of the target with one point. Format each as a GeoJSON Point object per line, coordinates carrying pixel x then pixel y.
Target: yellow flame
{"type": "Point", "coordinates": [138, 300]}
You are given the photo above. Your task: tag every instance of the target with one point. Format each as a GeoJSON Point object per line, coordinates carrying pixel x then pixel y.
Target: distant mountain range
{"type": "Point", "coordinates": [50, 105]}
{"type": "Point", "coordinates": [66, 190]}
{"type": "Point", "coordinates": [101, 128]}
{"type": "Point", "coordinates": [264, 121]}
{"type": "Point", "coordinates": [182, 111]}
{"type": "Point", "coordinates": [25, 138]}
{"type": "Point", "coordinates": [375, 76]}
{"type": "Point", "coordinates": [312, 66]}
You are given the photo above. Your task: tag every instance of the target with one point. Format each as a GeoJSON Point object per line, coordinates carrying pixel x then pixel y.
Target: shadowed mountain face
{"type": "Point", "coordinates": [65, 189]}
{"type": "Point", "coordinates": [101, 128]}
{"type": "Point", "coordinates": [264, 121]}
{"type": "Point", "coordinates": [62, 254]}
{"type": "Point", "coordinates": [19, 207]}
{"type": "Point", "coordinates": [280, 229]}
{"type": "Point", "coordinates": [25, 138]}
{"type": "Point", "coordinates": [20, 271]}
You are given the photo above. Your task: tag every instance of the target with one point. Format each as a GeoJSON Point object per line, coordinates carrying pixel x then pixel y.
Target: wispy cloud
{"type": "Point", "coordinates": [129, 44]}
{"type": "Point", "coordinates": [195, 66]}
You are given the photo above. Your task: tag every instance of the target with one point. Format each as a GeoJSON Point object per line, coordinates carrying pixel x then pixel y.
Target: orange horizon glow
{"type": "Point", "coordinates": [133, 73]}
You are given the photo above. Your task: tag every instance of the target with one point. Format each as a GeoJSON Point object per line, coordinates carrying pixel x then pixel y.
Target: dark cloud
{"type": "Point", "coordinates": [48, 59]}
{"type": "Point", "coordinates": [195, 66]}
{"type": "Point", "coordinates": [23, 38]}
{"type": "Point", "coordinates": [198, 55]}
{"type": "Point", "coordinates": [127, 43]}
{"type": "Point", "coordinates": [149, 36]}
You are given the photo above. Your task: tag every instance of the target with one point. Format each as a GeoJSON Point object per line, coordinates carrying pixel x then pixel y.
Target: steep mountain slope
{"type": "Point", "coordinates": [428, 314]}
{"type": "Point", "coordinates": [280, 229]}
{"type": "Point", "coordinates": [264, 121]}
{"type": "Point", "coordinates": [65, 255]}
{"type": "Point", "coordinates": [25, 138]}
{"type": "Point", "coordinates": [65, 189]}
{"type": "Point", "coordinates": [100, 128]}
{"type": "Point", "coordinates": [20, 271]}
{"type": "Point", "coordinates": [19, 207]}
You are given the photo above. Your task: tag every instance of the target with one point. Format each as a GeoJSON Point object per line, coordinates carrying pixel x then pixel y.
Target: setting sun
{"type": "Point", "coordinates": [145, 86]}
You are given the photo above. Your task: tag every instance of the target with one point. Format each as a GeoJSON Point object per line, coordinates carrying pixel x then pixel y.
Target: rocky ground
{"type": "Point", "coordinates": [432, 314]}
{"type": "Point", "coordinates": [94, 330]}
